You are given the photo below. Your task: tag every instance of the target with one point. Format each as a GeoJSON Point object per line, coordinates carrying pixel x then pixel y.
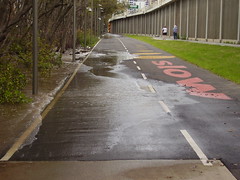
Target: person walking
{"type": "Point", "coordinates": [175, 32]}
{"type": "Point", "coordinates": [164, 32]}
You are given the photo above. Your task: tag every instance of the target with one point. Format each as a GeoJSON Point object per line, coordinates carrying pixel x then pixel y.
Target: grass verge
{"type": "Point", "coordinates": [221, 60]}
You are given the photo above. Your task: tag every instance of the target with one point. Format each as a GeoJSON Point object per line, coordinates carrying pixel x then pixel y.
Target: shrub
{"type": "Point", "coordinates": [16, 65]}
{"type": "Point", "coordinates": [91, 40]}
{"type": "Point", "coordinates": [12, 82]}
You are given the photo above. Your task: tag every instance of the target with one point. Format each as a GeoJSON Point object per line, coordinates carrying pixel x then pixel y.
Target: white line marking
{"type": "Point", "coordinates": [138, 68]}
{"type": "Point", "coordinates": [151, 88]}
{"type": "Point", "coordinates": [134, 62]}
{"type": "Point", "coordinates": [164, 106]}
{"type": "Point", "coordinates": [144, 76]}
{"type": "Point", "coordinates": [196, 148]}
{"type": "Point", "coordinates": [123, 45]}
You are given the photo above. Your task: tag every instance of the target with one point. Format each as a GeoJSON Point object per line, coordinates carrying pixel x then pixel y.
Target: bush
{"type": "Point", "coordinates": [91, 40]}
{"type": "Point", "coordinates": [47, 58]}
{"type": "Point", "coordinates": [16, 65]}
{"type": "Point", "coordinates": [12, 82]}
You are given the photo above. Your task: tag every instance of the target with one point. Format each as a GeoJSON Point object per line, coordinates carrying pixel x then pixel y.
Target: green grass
{"type": "Point", "coordinates": [221, 60]}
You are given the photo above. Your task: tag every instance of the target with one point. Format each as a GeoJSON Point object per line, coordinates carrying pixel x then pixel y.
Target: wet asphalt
{"type": "Point", "coordinates": [111, 111]}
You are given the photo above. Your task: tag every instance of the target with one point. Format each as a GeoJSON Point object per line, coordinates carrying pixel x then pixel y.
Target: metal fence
{"type": "Point", "coordinates": [208, 20]}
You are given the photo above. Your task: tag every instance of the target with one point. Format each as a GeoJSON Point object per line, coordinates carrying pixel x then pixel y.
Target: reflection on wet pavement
{"type": "Point", "coordinates": [104, 115]}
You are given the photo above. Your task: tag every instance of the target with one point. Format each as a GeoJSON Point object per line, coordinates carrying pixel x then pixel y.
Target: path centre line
{"type": "Point", "coordinates": [144, 76]}
{"type": "Point", "coordinates": [123, 45]}
{"type": "Point", "coordinates": [164, 106]}
{"type": "Point", "coordinates": [151, 89]}
{"type": "Point", "coordinates": [134, 62]}
{"type": "Point", "coordinates": [196, 148]}
{"type": "Point", "coordinates": [138, 68]}
{"type": "Point", "coordinates": [39, 119]}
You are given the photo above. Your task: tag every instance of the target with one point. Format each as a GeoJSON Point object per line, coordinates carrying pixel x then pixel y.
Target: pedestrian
{"type": "Point", "coordinates": [175, 32]}
{"type": "Point", "coordinates": [164, 32]}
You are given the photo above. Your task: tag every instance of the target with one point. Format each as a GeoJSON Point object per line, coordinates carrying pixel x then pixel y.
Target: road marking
{"type": "Point", "coordinates": [144, 76]}
{"type": "Point", "coordinates": [123, 45]}
{"type": "Point", "coordinates": [138, 68]}
{"type": "Point", "coordinates": [194, 85]}
{"type": "Point", "coordinates": [134, 62]}
{"type": "Point", "coordinates": [165, 107]}
{"type": "Point", "coordinates": [21, 140]}
{"type": "Point", "coordinates": [196, 148]}
{"type": "Point", "coordinates": [154, 57]}
{"type": "Point", "coordinates": [39, 119]}
{"type": "Point", "coordinates": [151, 88]}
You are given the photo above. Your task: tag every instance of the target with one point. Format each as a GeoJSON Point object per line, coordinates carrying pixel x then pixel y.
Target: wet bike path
{"type": "Point", "coordinates": [111, 111]}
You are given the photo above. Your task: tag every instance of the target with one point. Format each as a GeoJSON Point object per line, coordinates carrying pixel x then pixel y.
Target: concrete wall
{"type": "Point", "coordinates": [211, 20]}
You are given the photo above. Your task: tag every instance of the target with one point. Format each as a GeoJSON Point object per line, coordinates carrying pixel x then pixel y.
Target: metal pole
{"type": "Point", "coordinates": [180, 25]}
{"type": "Point", "coordinates": [35, 48]}
{"type": "Point", "coordinates": [96, 22]}
{"type": "Point", "coordinates": [238, 37]}
{"type": "Point", "coordinates": [158, 23]}
{"type": "Point", "coordinates": [187, 19]}
{"type": "Point", "coordinates": [85, 24]}
{"type": "Point", "coordinates": [169, 25]}
{"type": "Point", "coordinates": [175, 9]}
{"type": "Point", "coordinates": [207, 12]}
{"type": "Point", "coordinates": [196, 21]}
{"type": "Point", "coordinates": [91, 22]}
{"type": "Point", "coordinates": [74, 31]}
{"type": "Point", "coordinates": [221, 20]}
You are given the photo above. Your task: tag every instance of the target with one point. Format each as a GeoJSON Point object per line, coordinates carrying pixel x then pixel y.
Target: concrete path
{"type": "Point", "coordinates": [114, 170]}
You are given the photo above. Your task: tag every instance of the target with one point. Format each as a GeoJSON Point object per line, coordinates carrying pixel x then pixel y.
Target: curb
{"type": "Point", "coordinates": [43, 114]}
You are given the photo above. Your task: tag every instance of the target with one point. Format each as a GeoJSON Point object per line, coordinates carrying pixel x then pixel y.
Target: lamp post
{"type": "Point", "coordinates": [91, 22]}
{"type": "Point", "coordinates": [35, 48]}
{"type": "Point", "coordinates": [85, 24]}
{"type": "Point", "coordinates": [74, 31]}
{"type": "Point", "coordinates": [99, 19]}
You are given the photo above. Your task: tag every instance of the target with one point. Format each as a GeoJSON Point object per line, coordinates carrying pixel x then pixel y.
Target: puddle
{"type": "Point", "coordinates": [103, 63]}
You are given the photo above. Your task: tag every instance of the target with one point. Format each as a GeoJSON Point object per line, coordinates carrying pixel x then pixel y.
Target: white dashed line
{"type": "Point", "coordinates": [164, 106]}
{"type": "Point", "coordinates": [144, 76]}
{"type": "Point", "coordinates": [134, 62]}
{"type": "Point", "coordinates": [138, 68]}
{"type": "Point", "coordinates": [151, 88]}
{"type": "Point", "coordinates": [196, 148]}
{"type": "Point", "coordinates": [123, 45]}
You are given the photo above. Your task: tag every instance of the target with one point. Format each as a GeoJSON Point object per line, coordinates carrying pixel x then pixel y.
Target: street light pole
{"type": "Point", "coordinates": [74, 31]}
{"type": "Point", "coordinates": [35, 48]}
{"type": "Point", "coordinates": [91, 22]}
{"type": "Point", "coordinates": [85, 24]}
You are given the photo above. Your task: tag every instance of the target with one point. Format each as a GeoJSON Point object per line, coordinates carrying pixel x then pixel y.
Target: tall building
{"type": "Point", "coordinates": [139, 3]}
{"type": "Point", "coordinates": [132, 2]}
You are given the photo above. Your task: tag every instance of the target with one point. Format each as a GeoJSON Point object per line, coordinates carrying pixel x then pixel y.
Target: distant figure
{"type": "Point", "coordinates": [164, 32]}
{"type": "Point", "coordinates": [175, 31]}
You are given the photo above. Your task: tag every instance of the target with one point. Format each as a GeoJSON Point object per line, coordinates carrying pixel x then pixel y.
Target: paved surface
{"type": "Point", "coordinates": [113, 170]}
{"type": "Point", "coordinates": [146, 105]}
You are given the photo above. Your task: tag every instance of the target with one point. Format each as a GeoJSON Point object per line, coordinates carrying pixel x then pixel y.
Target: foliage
{"type": "Point", "coordinates": [55, 34]}
{"type": "Point", "coordinates": [12, 81]}
{"type": "Point", "coordinates": [16, 65]}
{"type": "Point", "coordinates": [91, 40]}
{"type": "Point", "coordinates": [221, 60]}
